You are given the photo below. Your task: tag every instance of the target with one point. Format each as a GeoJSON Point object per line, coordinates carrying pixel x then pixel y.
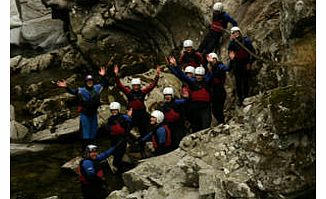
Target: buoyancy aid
{"type": "Point", "coordinates": [171, 112]}
{"type": "Point", "coordinates": [117, 124]}
{"type": "Point", "coordinates": [192, 59]}
{"type": "Point", "coordinates": [200, 92]}
{"type": "Point", "coordinates": [219, 22]}
{"type": "Point", "coordinates": [98, 170]}
{"type": "Point", "coordinates": [136, 100]}
{"type": "Point", "coordinates": [167, 137]}
{"type": "Point", "coordinates": [89, 99]}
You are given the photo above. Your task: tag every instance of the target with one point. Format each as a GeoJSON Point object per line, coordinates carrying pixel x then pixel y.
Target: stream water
{"type": "Point", "coordinates": [35, 175]}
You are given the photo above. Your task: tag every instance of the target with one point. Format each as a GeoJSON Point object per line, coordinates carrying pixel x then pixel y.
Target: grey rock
{"type": "Point", "coordinates": [17, 130]}
{"type": "Point", "coordinates": [15, 20]}
{"type": "Point", "coordinates": [19, 149]}
{"type": "Point", "coordinates": [68, 127]}
{"type": "Point", "coordinates": [12, 112]}
{"type": "Point", "coordinates": [32, 24]}
{"type": "Point", "coordinates": [119, 194]}
{"type": "Point", "coordinates": [73, 164]}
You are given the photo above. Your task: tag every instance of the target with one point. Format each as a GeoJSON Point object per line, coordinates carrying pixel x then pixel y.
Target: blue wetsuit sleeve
{"type": "Point", "coordinates": [127, 118]}
{"type": "Point", "coordinates": [147, 137]}
{"type": "Point", "coordinates": [248, 44]}
{"type": "Point", "coordinates": [175, 71]}
{"type": "Point", "coordinates": [161, 135]}
{"type": "Point", "coordinates": [230, 20]}
{"type": "Point", "coordinates": [104, 82]}
{"type": "Point", "coordinates": [224, 67]}
{"type": "Point", "coordinates": [88, 167]}
{"type": "Point", "coordinates": [183, 77]}
{"type": "Point", "coordinates": [105, 154]}
{"type": "Point", "coordinates": [180, 101]}
{"type": "Point", "coordinates": [72, 91]}
{"type": "Point", "coordinates": [209, 77]}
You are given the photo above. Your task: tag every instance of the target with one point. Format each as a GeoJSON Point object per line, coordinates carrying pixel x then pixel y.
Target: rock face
{"type": "Point", "coordinates": [31, 23]}
{"type": "Point", "coordinates": [146, 27]}
{"type": "Point", "coordinates": [238, 160]}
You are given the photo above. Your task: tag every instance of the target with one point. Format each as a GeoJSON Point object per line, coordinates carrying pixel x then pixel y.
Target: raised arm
{"type": "Point", "coordinates": [122, 87]}
{"type": "Point", "coordinates": [63, 84]}
{"type": "Point", "coordinates": [150, 87]}
{"type": "Point", "coordinates": [231, 20]}
{"type": "Point", "coordinates": [106, 154]}
{"type": "Point", "coordinates": [177, 71]}
{"type": "Point", "coordinates": [103, 80]}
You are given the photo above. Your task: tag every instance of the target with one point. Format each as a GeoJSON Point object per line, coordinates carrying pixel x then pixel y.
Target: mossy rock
{"type": "Point", "coordinates": [292, 108]}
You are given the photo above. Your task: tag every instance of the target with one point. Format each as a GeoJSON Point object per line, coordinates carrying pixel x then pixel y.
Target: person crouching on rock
{"type": "Point", "coordinates": [160, 135]}
{"type": "Point", "coordinates": [88, 102]}
{"type": "Point", "coordinates": [91, 177]}
{"type": "Point", "coordinates": [173, 115]}
{"type": "Point", "coordinates": [118, 126]}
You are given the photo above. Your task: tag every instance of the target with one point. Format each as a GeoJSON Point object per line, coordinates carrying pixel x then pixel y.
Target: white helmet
{"type": "Point", "coordinates": [200, 70]}
{"type": "Point", "coordinates": [189, 69]}
{"type": "Point", "coordinates": [158, 115]}
{"type": "Point", "coordinates": [187, 43]}
{"type": "Point", "coordinates": [218, 7]}
{"type": "Point", "coordinates": [90, 148]}
{"type": "Point", "coordinates": [89, 77]}
{"type": "Point", "coordinates": [213, 55]}
{"type": "Point", "coordinates": [115, 106]}
{"type": "Point", "coordinates": [168, 91]}
{"type": "Point", "coordinates": [234, 29]}
{"type": "Point", "coordinates": [135, 81]}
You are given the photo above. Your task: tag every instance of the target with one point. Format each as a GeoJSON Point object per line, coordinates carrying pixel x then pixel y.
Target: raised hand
{"type": "Point", "coordinates": [116, 69]}
{"type": "Point", "coordinates": [62, 83]}
{"type": "Point", "coordinates": [129, 113]}
{"type": "Point", "coordinates": [102, 71]}
{"type": "Point", "coordinates": [209, 58]}
{"type": "Point", "coordinates": [172, 61]}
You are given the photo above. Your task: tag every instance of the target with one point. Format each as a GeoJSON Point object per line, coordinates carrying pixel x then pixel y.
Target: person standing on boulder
{"type": "Point", "coordinates": [88, 102]}
{"type": "Point", "coordinates": [242, 48]}
{"type": "Point", "coordinates": [218, 70]}
{"type": "Point", "coordinates": [91, 175]}
{"type": "Point", "coordinates": [190, 57]}
{"type": "Point", "coordinates": [118, 126]}
{"type": "Point", "coordinates": [160, 135]}
{"type": "Point", "coordinates": [200, 97]}
{"type": "Point", "coordinates": [136, 99]}
{"type": "Point", "coordinates": [219, 24]}
{"type": "Point", "coordinates": [173, 115]}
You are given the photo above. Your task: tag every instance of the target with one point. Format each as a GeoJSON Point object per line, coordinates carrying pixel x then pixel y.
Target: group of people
{"type": "Point", "coordinates": [202, 94]}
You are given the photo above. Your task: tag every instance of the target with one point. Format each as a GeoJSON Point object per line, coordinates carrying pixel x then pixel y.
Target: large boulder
{"type": "Point", "coordinates": [17, 130]}
{"type": "Point", "coordinates": [238, 160]}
